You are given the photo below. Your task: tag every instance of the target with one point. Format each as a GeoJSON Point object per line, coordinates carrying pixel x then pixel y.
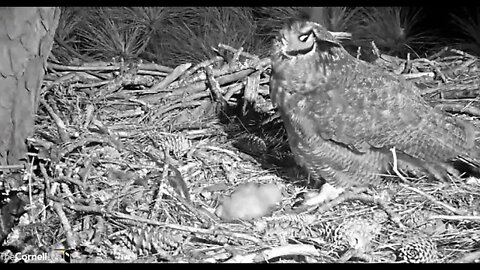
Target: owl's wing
{"type": "Point", "coordinates": [364, 107]}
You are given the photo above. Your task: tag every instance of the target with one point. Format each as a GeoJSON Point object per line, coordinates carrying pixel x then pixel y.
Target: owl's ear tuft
{"type": "Point", "coordinates": [341, 35]}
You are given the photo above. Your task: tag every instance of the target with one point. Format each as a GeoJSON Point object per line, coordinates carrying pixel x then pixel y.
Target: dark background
{"type": "Point", "coordinates": [439, 19]}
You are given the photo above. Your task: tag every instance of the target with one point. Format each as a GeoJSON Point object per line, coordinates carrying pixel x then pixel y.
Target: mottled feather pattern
{"type": "Point", "coordinates": [343, 115]}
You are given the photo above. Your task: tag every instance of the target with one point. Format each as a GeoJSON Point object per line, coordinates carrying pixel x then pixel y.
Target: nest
{"type": "Point", "coordinates": [129, 161]}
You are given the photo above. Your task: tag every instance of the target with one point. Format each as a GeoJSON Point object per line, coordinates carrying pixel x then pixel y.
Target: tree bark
{"type": "Point", "coordinates": [26, 39]}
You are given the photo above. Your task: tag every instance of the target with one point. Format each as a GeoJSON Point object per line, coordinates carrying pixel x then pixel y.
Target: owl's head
{"type": "Point", "coordinates": [304, 55]}
{"type": "Point", "coordinates": [302, 38]}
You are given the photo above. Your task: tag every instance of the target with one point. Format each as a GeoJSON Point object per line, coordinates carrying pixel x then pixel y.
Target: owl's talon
{"type": "Point", "coordinates": [327, 193]}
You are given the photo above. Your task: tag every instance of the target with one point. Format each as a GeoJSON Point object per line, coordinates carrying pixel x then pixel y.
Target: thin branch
{"type": "Point", "coordinates": [469, 218]}
{"type": "Point", "coordinates": [235, 51]}
{"type": "Point", "coordinates": [429, 197]}
{"type": "Point", "coordinates": [176, 73]}
{"type": "Point", "coordinates": [275, 252]}
{"type": "Point", "coordinates": [458, 108]}
{"type": "Point", "coordinates": [12, 167]}
{"type": "Point", "coordinates": [109, 67]}
{"type": "Point", "coordinates": [62, 129]}
{"type": "Point", "coordinates": [71, 242]}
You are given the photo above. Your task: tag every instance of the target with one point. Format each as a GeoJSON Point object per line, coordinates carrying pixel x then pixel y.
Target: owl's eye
{"type": "Point", "coordinates": [304, 37]}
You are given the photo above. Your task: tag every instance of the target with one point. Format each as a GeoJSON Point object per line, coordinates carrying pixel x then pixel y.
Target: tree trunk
{"type": "Point", "coordinates": [26, 38]}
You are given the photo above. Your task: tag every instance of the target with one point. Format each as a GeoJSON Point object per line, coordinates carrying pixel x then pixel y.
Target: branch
{"type": "Point", "coordinates": [429, 197]}
{"type": "Point", "coordinates": [62, 129]}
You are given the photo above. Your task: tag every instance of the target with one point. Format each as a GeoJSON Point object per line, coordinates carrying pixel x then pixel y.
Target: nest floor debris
{"type": "Point", "coordinates": [130, 160]}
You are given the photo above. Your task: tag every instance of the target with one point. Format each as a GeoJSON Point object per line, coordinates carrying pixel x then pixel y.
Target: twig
{"type": "Point", "coordinates": [429, 197]}
{"type": "Point", "coordinates": [62, 129]}
{"type": "Point", "coordinates": [184, 104]}
{"type": "Point", "coordinates": [375, 50]}
{"type": "Point", "coordinates": [100, 230]}
{"type": "Point", "coordinates": [108, 67]}
{"type": "Point", "coordinates": [156, 209]}
{"type": "Point", "coordinates": [91, 85]}
{"type": "Point", "coordinates": [470, 218]}
{"type": "Point", "coordinates": [63, 78]}
{"type": "Point", "coordinates": [82, 142]}
{"type": "Point", "coordinates": [228, 78]}
{"type": "Point", "coordinates": [235, 51]}
{"type": "Point", "coordinates": [214, 85]}
{"type": "Point", "coordinates": [268, 254]}
{"type": "Point", "coordinates": [70, 180]}
{"type": "Point", "coordinates": [250, 93]}
{"type": "Point", "coordinates": [458, 108]}
{"type": "Point", "coordinates": [12, 167]}
{"type": "Point", "coordinates": [199, 86]}
{"type": "Point", "coordinates": [435, 67]}
{"type": "Point", "coordinates": [47, 180]}
{"type": "Point", "coordinates": [71, 243]}
{"type": "Point", "coordinates": [462, 53]}
{"type": "Point", "coordinates": [436, 55]}
{"type": "Point", "coordinates": [185, 228]}
{"type": "Point", "coordinates": [28, 175]}
{"type": "Point", "coordinates": [235, 58]}
{"type": "Point", "coordinates": [226, 151]}
{"type": "Point", "coordinates": [155, 67]}
{"type": "Point", "coordinates": [90, 109]}
{"type": "Point", "coordinates": [428, 91]}
{"type": "Point", "coordinates": [151, 73]}
{"type": "Point", "coordinates": [359, 52]}
{"type": "Point", "coordinates": [176, 182]}
{"type": "Point", "coordinates": [83, 68]}
{"type": "Point", "coordinates": [412, 76]}
{"type": "Point", "coordinates": [102, 129]}
{"type": "Point", "coordinates": [126, 114]}
{"type": "Point", "coordinates": [176, 73]}
{"type": "Point", "coordinates": [203, 64]}
{"type": "Point", "coordinates": [232, 90]}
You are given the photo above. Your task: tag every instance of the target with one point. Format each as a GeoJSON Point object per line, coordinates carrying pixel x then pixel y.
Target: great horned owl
{"type": "Point", "coordinates": [343, 115]}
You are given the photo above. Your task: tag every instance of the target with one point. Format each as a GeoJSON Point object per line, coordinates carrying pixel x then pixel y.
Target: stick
{"type": "Point", "coordinates": [198, 87]}
{"type": "Point", "coordinates": [459, 108]}
{"type": "Point", "coordinates": [462, 53]}
{"type": "Point", "coordinates": [203, 64]}
{"type": "Point", "coordinates": [470, 218]}
{"type": "Point", "coordinates": [418, 75]}
{"type": "Point", "coordinates": [429, 197]}
{"type": "Point", "coordinates": [268, 254]}
{"type": "Point", "coordinates": [108, 67]}
{"type": "Point", "coordinates": [62, 129]}
{"type": "Point", "coordinates": [242, 53]}
{"type": "Point", "coordinates": [12, 167]}
{"type": "Point", "coordinates": [71, 243]}
{"type": "Point", "coordinates": [215, 88]}
{"type": "Point", "coordinates": [176, 73]}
